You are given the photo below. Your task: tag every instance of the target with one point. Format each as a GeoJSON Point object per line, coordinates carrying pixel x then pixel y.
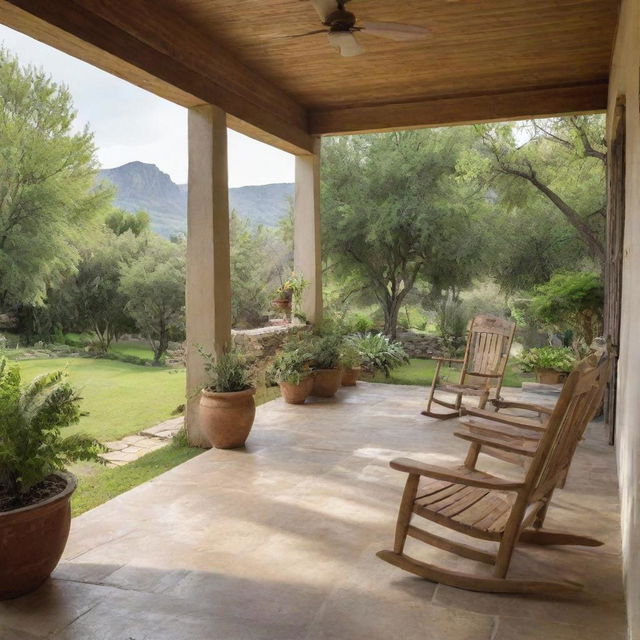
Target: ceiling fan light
{"type": "Point", "coordinates": [346, 42]}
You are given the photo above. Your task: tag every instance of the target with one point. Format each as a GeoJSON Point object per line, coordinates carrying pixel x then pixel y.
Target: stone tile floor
{"type": "Point", "coordinates": [278, 542]}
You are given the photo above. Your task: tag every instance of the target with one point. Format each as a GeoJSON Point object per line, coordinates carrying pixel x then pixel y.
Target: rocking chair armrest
{"type": "Point", "coordinates": [443, 359]}
{"type": "Point", "coordinates": [536, 408]}
{"type": "Point", "coordinates": [450, 475]}
{"type": "Point", "coordinates": [503, 445]}
{"type": "Point", "coordinates": [515, 421]}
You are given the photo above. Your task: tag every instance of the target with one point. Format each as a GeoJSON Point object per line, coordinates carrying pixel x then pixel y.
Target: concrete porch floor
{"type": "Point", "coordinates": [278, 542]}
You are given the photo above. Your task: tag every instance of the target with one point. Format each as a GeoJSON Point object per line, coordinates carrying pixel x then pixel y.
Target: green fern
{"type": "Point", "coordinates": [31, 443]}
{"type": "Point", "coordinates": [378, 353]}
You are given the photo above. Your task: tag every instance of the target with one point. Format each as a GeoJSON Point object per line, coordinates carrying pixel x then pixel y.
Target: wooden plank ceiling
{"type": "Point", "coordinates": [484, 59]}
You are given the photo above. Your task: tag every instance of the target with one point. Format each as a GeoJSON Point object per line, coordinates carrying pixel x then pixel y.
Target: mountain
{"type": "Point", "coordinates": [144, 186]}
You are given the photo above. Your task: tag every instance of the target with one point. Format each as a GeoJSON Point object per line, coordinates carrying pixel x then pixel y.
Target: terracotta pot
{"type": "Point", "coordinates": [350, 376]}
{"type": "Point", "coordinates": [550, 376]}
{"type": "Point", "coordinates": [296, 393]}
{"type": "Point", "coordinates": [226, 418]}
{"type": "Point", "coordinates": [32, 540]}
{"type": "Point", "coordinates": [326, 382]}
{"type": "Point", "coordinates": [282, 304]}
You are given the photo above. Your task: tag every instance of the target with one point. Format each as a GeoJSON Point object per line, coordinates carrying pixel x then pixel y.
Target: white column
{"type": "Point", "coordinates": [208, 295]}
{"type": "Point", "coordinates": [307, 257]}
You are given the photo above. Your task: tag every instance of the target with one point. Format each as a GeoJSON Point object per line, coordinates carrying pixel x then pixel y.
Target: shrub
{"type": "Point", "coordinates": [451, 322]}
{"type": "Point", "coordinates": [31, 444]}
{"type": "Point", "coordinates": [377, 352]}
{"type": "Point", "coordinates": [350, 356]}
{"type": "Point", "coordinates": [557, 358]}
{"type": "Point", "coordinates": [226, 373]}
{"type": "Point", "coordinates": [325, 351]}
{"type": "Point", "coordinates": [291, 365]}
{"type": "Point", "coordinates": [359, 323]}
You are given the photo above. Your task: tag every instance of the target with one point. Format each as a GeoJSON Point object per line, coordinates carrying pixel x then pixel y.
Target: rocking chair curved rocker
{"type": "Point", "coordinates": [487, 507]}
{"type": "Point", "coordinates": [485, 359]}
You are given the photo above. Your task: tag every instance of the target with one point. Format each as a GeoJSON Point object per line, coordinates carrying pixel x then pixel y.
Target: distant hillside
{"type": "Point", "coordinates": [144, 186]}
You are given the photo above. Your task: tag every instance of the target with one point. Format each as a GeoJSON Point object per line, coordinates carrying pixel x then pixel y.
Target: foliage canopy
{"type": "Point", "coordinates": [48, 203]}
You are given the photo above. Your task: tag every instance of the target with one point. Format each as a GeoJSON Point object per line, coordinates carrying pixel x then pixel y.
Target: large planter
{"type": "Point", "coordinates": [326, 382]}
{"type": "Point", "coordinates": [296, 393]}
{"type": "Point", "coordinates": [32, 540]}
{"type": "Point", "coordinates": [226, 418]}
{"type": "Point", "coordinates": [350, 376]}
{"type": "Point", "coordinates": [550, 376]}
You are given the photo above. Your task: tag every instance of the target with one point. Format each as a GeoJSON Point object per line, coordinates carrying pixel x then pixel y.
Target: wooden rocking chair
{"type": "Point", "coordinates": [491, 508]}
{"type": "Point", "coordinates": [485, 359]}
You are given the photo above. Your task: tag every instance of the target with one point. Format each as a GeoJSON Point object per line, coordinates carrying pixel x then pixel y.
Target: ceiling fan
{"type": "Point", "coordinates": [342, 27]}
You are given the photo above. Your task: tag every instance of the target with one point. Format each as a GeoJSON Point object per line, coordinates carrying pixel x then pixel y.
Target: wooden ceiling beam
{"type": "Point", "coordinates": [537, 103]}
{"type": "Point", "coordinates": [157, 50]}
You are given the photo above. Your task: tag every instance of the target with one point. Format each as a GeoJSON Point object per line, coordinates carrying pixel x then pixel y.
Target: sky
{"type": "Point", "coordinates": [130, 123]}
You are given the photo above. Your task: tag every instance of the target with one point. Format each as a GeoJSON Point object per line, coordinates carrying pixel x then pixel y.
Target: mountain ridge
{"type": "Point", "coordinates": [143, 186]}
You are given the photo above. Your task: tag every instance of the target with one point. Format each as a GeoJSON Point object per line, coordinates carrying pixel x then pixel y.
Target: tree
{"type": "Point", "coordinates": [154, 286]}
{"type": "Point", "coordinates": [48, 202]}
{"type": "Point", "coordinates": [571, 299]}
{"type": "Point", "coordinates": [121, 221]}
{"type": "Point", "coordinates": [259, 262]}
{"type": "Point", "coordinates": [99, 299]}
{"type": "Point", "coordinates": [532, 243]}
{"type": "Point", "coordinates": [563, 161]}
{"type": "Point", "coordinates": [395, 214]}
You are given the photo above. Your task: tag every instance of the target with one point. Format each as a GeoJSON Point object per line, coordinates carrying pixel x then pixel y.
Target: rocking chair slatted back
{"type": "Point", "coordinates": [487, 352]}
{"type": "Point", "coordinates": [579, 400]}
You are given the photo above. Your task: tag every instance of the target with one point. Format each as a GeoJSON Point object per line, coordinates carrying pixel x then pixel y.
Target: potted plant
{"type": "Point", "coordinates": [227, 405]}
{"type": "Point", "coordinates": [282, 300]}
{"type": "Point", "coordinates": [350, 361]}
{"type": "Point", "coordinates": [290, 293]}
{"type": "Point", "coordinates": [35, 489]}
{"type": "Point", "coordinates": [326, 365]}
{"type": "Point", "coordinates": [291, 371]}
{"type": "Point", "coordinates": [378, 353]}
{"type": "Point", "coordinates": [550, 364]}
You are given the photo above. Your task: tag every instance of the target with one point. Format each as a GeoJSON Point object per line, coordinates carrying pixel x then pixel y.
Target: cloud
{"type": "Point", "coordinates": [130, 123]}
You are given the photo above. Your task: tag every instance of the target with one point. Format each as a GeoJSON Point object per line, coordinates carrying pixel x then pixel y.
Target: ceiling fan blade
{"type": "Point", "coordinates": [395, 31]}
{"type": "Point", "coordinates": [324, 7]}
{"type": "Point", "coordinates": [309, 33]}
{"type": "Point", "coordinates": [346, 42]}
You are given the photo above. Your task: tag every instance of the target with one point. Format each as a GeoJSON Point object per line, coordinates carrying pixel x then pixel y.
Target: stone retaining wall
{"type": "Point", "coordinates": [419, 345]}
{"type": "Point", "coordinates": [262, 344]}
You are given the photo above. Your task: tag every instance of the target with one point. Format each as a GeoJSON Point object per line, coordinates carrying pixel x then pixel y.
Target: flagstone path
{"type": "Point", "coordinates": [131, 448]}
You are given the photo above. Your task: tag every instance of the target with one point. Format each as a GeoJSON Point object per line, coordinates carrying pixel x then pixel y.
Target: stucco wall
{"type": "Point", "coordinates": [624, 81]}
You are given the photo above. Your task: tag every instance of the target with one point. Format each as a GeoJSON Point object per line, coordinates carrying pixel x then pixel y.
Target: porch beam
{"type": "Point", "coordinates": [538, 103]}
{"type": "Point", "coordinates": [208, 294]}
{"type": "Point", "coordinates": [307, 256]}
{"type": "Point", "coordinates": [156, 49]}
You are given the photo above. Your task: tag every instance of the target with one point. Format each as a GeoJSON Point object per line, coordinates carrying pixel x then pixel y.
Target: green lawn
{"type": "Point", "coordinates": [120, 398]}
{"type": "Point", "coordinates": [420, 371]}
{"type": "Point", "coordinates": [137, 349]}
{"type": "Point", "coordinates": [97, 484]}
